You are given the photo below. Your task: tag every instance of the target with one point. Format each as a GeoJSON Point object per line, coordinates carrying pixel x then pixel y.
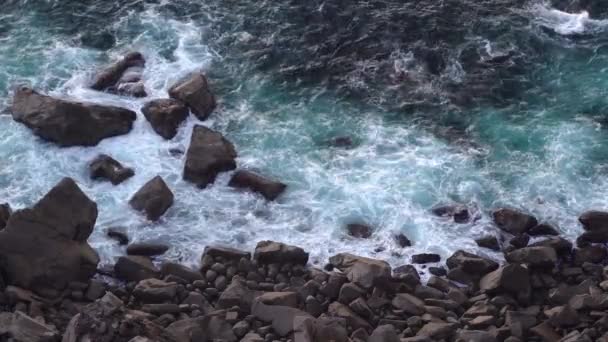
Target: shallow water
{"type": "Point", "coordinates": [486, 103]}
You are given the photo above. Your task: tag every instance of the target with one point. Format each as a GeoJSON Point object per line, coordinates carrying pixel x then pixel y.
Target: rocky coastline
{"type": "Point", "coordinates": [53, 287]}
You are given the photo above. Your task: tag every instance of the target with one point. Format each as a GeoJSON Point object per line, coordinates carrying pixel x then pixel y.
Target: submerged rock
{"type": "Point", "coordinates": [123, 77]}
{"type": "Point", "coordinates": [154, 198]}
{"type": "Point", "coordinates": [45, 247]}
{"type": "Point", "coordinates": [208, 155]}
{"type": "Point", "coordinates": [358, 230]}
{"type": "Point", "coordinates": [194, 92]}
{"type": "Point", "coordinates": [119, 234]}
{"type": "Point", "coordinates": [458, 212]}
{"type": "Point", "coordinates": [402, 240]}
{"type": "Point", "coordinates": [69, 123]}
{"type": "Point", "coordinates": [268, 188]}
{"type": "Point", "coordinates": [107, 167]}
{"type": "Point", "coordinates": [165, 116]}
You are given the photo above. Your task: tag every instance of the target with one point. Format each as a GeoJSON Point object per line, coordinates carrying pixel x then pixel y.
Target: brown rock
{"type": "Point", "coordinates": [268, 188]}
{"type": "Point", "coordinates": [194, 92]}
{"type": "Point", "coordinates": [513, 221]}
{"type": "Point", "coordinates": [154, 198]}
{"type": "Point", "coordinates": [209, 154]}
{"type": "Point", "coordinates": [165, 116]}
{"type": "Point", "coordinates": [108, 168]}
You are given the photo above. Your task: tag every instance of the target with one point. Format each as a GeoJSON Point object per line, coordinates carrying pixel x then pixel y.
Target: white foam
{"type": "Point", "coordinates": [565, 23]}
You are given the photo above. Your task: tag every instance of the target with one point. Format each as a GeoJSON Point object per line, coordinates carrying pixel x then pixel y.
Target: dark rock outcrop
{"type": "Point", "coordinates": [5, 214]}
{"type": "Point", "coordinates": [135, 268]}
{"type": "Point", "coordinates": [269, 252]}
{"type": "Point", "coordinates": [147, 249]}
{"type": "Point", "coordinates": [208, 155]}
{"type": "Point", "coordinates": [268, 188]}
{"type": "Point", "coordinates": [358, 230]}
{"type": "Point", "coordinates": [513, 221]}
{"type": "Point", "coordinates": [119, 234]}
{"type": "Point", "coordinates": [364, 272]}
{"type": "Point", "coordinates": [154, 198]}
{"type": "Point", "coordinates": [425, 258]}
{"type": "Point", "coordinates": [489, 242]}
{"type": "Point", "coordinates": [458, 212]}
{"type": "Point", "coordinates": [123, 77]}
{"type": "Point", "coordinates": [108, 168]}
{"type": "Point", "coordinates": [165, 116]}
{"type": "Point", "coordinates": [194, 92]}
{"type": "Point", "coordinates": [45, 248]}
{"type": "Point", "coordinates": [534, 256]}
{"type": "Point", "coordinates": [69, 123]}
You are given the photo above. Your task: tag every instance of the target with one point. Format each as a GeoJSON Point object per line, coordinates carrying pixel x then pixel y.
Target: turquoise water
{"type": "Point", "coordinates": [528, 133]}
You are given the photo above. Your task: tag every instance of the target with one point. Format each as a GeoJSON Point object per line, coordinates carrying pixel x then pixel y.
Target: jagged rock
{"type": "Point", "coordinates": [183, 272]}
{"type": "Point", "coordinates": [425, 258]}
{"type": "Point", "coordinates": [135, 268]}
{"type": "Point", "coordinates": [471, 263]}
{"type": "Point", "coordinates": [513, 221]}
{"type": "Point", "coordinates": [69, 123]}
{"type": "Point", "coordinates": [350, 292]}
{"type": "Point", "coordinates": [165, 116]}
{"type": "Point", "coordinates": [268, 188]}
{"type": "Point", "coordinates": [488, 241]}
{"type": "Point", "coordinates": [208, 155]}
{"type": "Point", "coordinates": [106, 167]}
{"type": "Point", "coordinates": [384, 333]}
{"type": "Point", "coordinates": [402, 240]}
{"type": "Point", "coordinates": [437, 331]}
{"type": "Point", "coordinates": [509, 278]}
{"type": "Point", "coordinates": [44, 248]}
{"type": "Point", "coordinates": [281, 317]}
{"type": "Point", "coordinates": [194, 92]}
{"type": "Point", "coordinates": [22, 327]}
{"type": "Point", "coordinates": [154, 198]}
{"type": "Point", "coordinates": [95, 290]}
{"type": "Point", "coordinates": [155, 291]}
{"type": "Point", "coordinates": [147, 249]}
{"type": "Point", "coordinates": [534, 256]}
{"type": "Point", "coordinates": [458, 212]}
{"type": "Point", "coordinates": [5, 214]}
{"type": "Point", "coordinates": [227, 253]}
{"type": "Point", "coordinates": [268, 252]}
{"type": "Point", "coordinates": [542, 229]}
{"type": "Point", "coordinates": [119, 234]}
{"type": "Point", "coordinates": [361, 231]}
{"type": "Point", "coordinates": [237, 294]}
{"type": "Point", "coordinates": [118, 74]}
{"type": "Point", "coordinates": [353, 320]}
{"type": "Point", "coordinates": [408, 304]}
{"type": "Point", "coordinates": [364, 272]}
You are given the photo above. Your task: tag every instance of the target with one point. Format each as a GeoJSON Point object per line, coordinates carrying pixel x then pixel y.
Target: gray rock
{"type": "Point", "coordinates": [281, 317]}
{"type": "Point", "coordinates": [237, 294]}
{"type": "Point", "coordinates": [353, 320]}
{"type": "Point", "coordinates": [188, 274]}
{"type": "Point", "coordinates": [437, 331]}
{"type": "Point", "coordinates": [5, 214]}
{"type": "Point", "coordinates": [408, 304]}
{"type": "Point", "coordinates": [471, 263]}
{"type": "Point", "coordinates": [21, 327]}
{"type": "Point", "coordinates": [384, 333]}
{"type": "Point", "coordinates": [488, 241]}
{"type": "Point", "coordinates": [279, 298]}
{"type": "Point", "coordinates": [509, 278]}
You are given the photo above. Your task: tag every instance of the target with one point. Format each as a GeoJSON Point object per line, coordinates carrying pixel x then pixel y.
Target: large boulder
{"type": "Point", "coordinates": [594, 220]}
{"type": "Point", "coordinates": [69, 123]}
{"type": "Point", "coordinates": [269, 252]}
{"type": "Point", "coordinates": [45, 247]}
{"type": "Point", "coordinates": [135, 268]}
{"type": "Point", "coordinates": [154, 198]}
{"type": "Point", "coordinates": [108, 168]}
{"type": "Point", "coordinates": [270, 189]}
{"type": "Point", "coordinates": [123, 77]}
{"type": "Point", "coordinates": [226, 253]}
{"type": "Point", "coordinates": [364, 272]}
{"type": "Point", "coordinates": [512, 278]}
{"type": "Point", "coordinates": [533, 256]}
{"type": "Point", "coordinates": [208, 155]}
{"type": "Point", "coordinates": [165, 116]}
{"type": "Point", "coordinates": [194, 92]}
{"type": "Point", "coordinates": [513, 221]}
{"type": "Point", "coordinates": [471, 263]}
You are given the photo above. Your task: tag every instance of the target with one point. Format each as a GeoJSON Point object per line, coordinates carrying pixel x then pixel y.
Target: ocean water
{"type": "Point", "coordinates": [485, 103]}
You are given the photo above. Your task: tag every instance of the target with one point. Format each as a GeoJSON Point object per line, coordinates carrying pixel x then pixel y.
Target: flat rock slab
{"type": "Point", "coordinates": [69, 123]}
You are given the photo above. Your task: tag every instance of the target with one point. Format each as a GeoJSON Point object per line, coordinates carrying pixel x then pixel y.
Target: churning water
{"type": "Point", "coordinates": [486, 103]}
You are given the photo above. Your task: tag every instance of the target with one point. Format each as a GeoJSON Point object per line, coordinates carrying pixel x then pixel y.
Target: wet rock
{"type": "Point", "coordinates": [364, 272]}
{"type": "Point", "coordinates": [341, 142]}
{"type": "Point", "coordinates": [534, 256]}
{"type": "Point", "coordinates": [44, 248]}
{"type": "Point", "coordinates": [195, 298]}
{"type": "Point", "coordinates": [117, 74]}
{"type": "Point", "coordinates": [135, 268]}
{"type": "Point", "coordinates": [108, 168]}
{"type": "Point", "coordinates": [154, 198]}
{"type": "Point", "coordinates": [425, 258]}
{"type": "Point", "coordinates": [69, 123]}
{"type": "Point", "coordinates": [155, 291]}
{"type": "Point", "coordinates": [5, 214]}
{"type": "Point", "coordinates": [268, 188]}
{"type": "Point", "coordinates": [458, 212]}
{"type": "Point", "coordinates": [543, 229]}
{"type": "Point", "coordinates": [147, 249]}
{"type": "Point", "coordinates": [594, 236]}
{"type": "Point", "coordinates": [268, 252]}
{"type": "Point", "coordinates": [358, 230]}
{"type": "Point", "coordinates": [488, 241]}
{"type": "Point", "coordinates": [471, 263]}
{"type": "Point", "coordinates": [402, 240]}
{"type": "Point", "coordinates": [119, 234]}
{"type": "Point", "coordinates": [21, 327]}
{"type": "Point", "coordinates": [195, 93]}
{"type": "Point", "coordinates": [513, 221]}
{"type": "Point", "coordinates": [208, 155]}
{"type": "Point", "coordinates": [519, 241]}
{"type": "Point", "coordinates": [95, 290]}
{"type": "Point", "coordinates": [594, 220]}
{"type": "Point", "coordinates": [165, 116]}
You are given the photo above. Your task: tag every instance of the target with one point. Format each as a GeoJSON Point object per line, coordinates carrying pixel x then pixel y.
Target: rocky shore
{"type": "Point", "coordinates": [53, 287]}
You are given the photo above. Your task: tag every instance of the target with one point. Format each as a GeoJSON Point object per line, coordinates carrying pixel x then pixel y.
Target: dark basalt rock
{"type": "Point", "coordinates": [108, 168]}
{"type": "Point", "coordinates": [165, 116]}
{"type": "Point", "coordinates": [488, 241]}
{"type": "Point", "coordinates": [543, 229]}
{"type": "Point", "coordinates": [268, 188]}
{"type": "Point", "coordinates": [471, 263]}
{"type": "Point", "coordinates": [135, 268]}
{"type": "Point", "coordinates": [154, 198]}
{"type": "Point", "coordinates": [208, 155]}
{"type": "Point", "coordinates": [268, 252]}
{"type": "Point", "coordinates": [542, 257]}
{"type": "Point", "coordinates": [123, 77]}
{"type": "Point", "coordinates": [458, 212]}
{"type": "Point", "coordinates": [594, 220]}
{"type": "Point", "coordinates": [364, 272]}
{"type": "Point", "coordinates": [425, 258]}
{"type": "Point", "coordinates": [402, 240]}
{"type": "Point", "coordinates": [513, 221]}
{"type": "Point", "coordinates": [358, 230]}
{"type": "Point", "coordinates": [69, 123]}
{"type": "Point", "coordinates": [119, 234]}
{"type": "Point", "coordinates": [341, 142]}
{"type": "Point", "coordinates": [5, 214]}
{"type": "Point", "coordinates": [147, 249]}
{"type": "Point", "coordinates": [194, 92]}
{"type": "Point", "coordinates": [227, 253]}
{"type": "Point", "coordinates": [44, 248]}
